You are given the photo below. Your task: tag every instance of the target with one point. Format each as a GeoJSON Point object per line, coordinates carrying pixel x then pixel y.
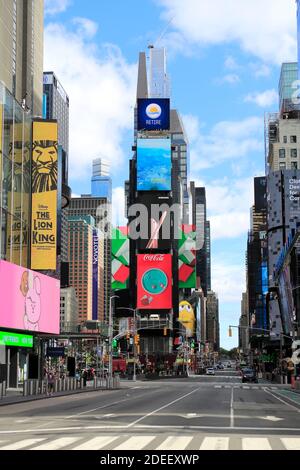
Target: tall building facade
{"type": "Point", "coordinates": [56, 106]}
{"type": "Point", "coordinates": [100, 210]}
{"type": "Point", "coordinates": [212, 321]}
{"type": "Point", "coordinates": [21, 51]}
{"type": "Point", "coordinates": [101, 184]}
{"type": "Point", "coordinates": [81, 263]}
{"type": "Point", "coordinates": [203, 255]}
{"type": "Point", "coordinates": [68, 310]}
{"type": "Point", "coordinates": [287, 86]}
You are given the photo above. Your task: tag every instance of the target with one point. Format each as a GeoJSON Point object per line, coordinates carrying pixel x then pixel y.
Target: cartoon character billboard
{"type": "Point", "coordinates": [187, 318]}
{"type": "Point", "coordinates": [44, 195]}
{"type": "Point", "coordinates": [154, 278]}
{"type": "Point", "coordinates": [29, 300]}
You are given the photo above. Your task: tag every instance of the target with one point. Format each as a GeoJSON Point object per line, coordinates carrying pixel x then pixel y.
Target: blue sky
{"type": "Point", "coordinates": [224, 61]}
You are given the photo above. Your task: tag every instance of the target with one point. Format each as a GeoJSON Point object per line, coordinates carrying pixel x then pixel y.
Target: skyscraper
{"type": "Point", "coordinates": [56, 106]}
{"type": "Point", "coordinates": [287, 86]}
{"type": "Point", "coordinates": [99, 209]}
{"type": "Point", "coordinates": [21, 51]}
{"type": "Point", "coordinates": [159, 82]}
{"type": "Point", "coordinates": [81, 263]}
{"type": "Point", "coordinates": [101, 181]}
{"type": "Point", "coordinates": [212, 321]}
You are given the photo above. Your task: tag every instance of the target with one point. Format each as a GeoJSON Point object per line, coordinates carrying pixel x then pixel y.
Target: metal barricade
{"type": "Point", "coordinates": [2, 389]}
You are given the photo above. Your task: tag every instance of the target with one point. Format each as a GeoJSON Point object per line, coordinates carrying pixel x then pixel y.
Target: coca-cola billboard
{"type": "Point", "coordinates": [154, 277]}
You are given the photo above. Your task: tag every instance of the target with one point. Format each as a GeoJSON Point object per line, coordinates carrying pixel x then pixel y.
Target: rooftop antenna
{"type": "Point", "coordinates": [163, 32]}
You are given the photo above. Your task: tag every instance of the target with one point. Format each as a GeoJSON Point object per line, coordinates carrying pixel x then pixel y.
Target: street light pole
{"type": "Point", "coordinates": [134, 335]}
{"type": "Point", "coordinates": [110, 339]}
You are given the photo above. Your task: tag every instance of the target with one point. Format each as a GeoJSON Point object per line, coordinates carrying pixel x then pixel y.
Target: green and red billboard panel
{"type": "Point", "coordinates": [187, 257]}
{"type": "Point", "coordinates": [120, 258]}
{"type": "Point", "coordinates": [154, 281]}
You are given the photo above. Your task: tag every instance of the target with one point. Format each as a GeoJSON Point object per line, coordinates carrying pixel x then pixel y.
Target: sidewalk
{"type": "Point", "coordinates": [14, 397]}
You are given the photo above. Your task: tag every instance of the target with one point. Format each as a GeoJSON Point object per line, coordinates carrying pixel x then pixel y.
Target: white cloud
{"type": "Point", "coordinates": [227, 140]}
{"type": "Point", "coordinates": [264, 100]}
{"type": "Point", "coordinates": [260, 70]}
{"type": "Point", "coordinates": [228, 280]}
{"type": "Point", "coordinates": [265, 29]}
{"type": "Point", "coordinates": [53, 7]}
{"type": "Point", "coordinates": [231, 63]}
{"type": "Point", "coordinates": [101, 86]}
{"type": "Point", "coordinates": [231, 78]}
{"type": "Point", "coordinates": [87, 28]}
{"type": "Point", "coordinates": [228, 201]}
{"type": "Point", "coordinates": [118, 206]}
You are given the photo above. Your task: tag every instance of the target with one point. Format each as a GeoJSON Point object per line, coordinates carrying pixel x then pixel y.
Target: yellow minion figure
{"type": "Point", "coordinates": [187, 317]}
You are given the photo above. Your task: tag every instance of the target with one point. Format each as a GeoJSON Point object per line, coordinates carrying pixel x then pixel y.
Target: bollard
{"type": "Point", "coordinates": [25, 388]}
{"type": "Point", "coordinates": [81, 383]}
{"type": "Point", "coordinates": [30, 388]}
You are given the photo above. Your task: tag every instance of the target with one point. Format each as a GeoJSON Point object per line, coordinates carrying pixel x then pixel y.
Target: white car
{"type": "Point", "coordinates": [210, 371]}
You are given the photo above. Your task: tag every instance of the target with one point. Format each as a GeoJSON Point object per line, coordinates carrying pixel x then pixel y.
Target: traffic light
{"type": "Point", "coordinates": [230, 332]}
{"type": "Point", "coordinates": [114, 344]}
{"type": "Point", "coordinates": [192, 344]}
{"type": "Point", "coordinates": [136, 339]}
{"type": "Point", "coordinates": [165, 331]}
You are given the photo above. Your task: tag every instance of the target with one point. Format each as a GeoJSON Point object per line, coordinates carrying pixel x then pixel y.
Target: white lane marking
{"type": "Point", "coordinates": [109, 415]}
{"type": "Point", "coordinates": [215, 443]}
{"type": "Point", "coordinates": [228, 386]}
{"type": "Point", "coordinates": [274, 388]}
{"type": "Point", "coordinates": [286, 403]}
{"type": "Point", "coordinates": [22, 444]}
{"type": "Point", "coordinates": [191, 415]}
{"type": "Point", "coordinates": [175, 443]}
{"type": "Point", "coordinates": [162, 407]}
{"type": "Point", "coordinates": [256, 443]}
{"type": "Point", "coordinates": [135, 443]}
{"type": "Point", "coordinates": [57, 443]}
{"type": "Point", "coordinates": [96, 443]}
{"type": "Point", "coordinates": [218, 386]}
{"type": "Point", "coordinates": [245, 387]}
{"type": "Point", "coordinates": [231, 410]}
{"type": "Point", "coordinates": [291, 443]}
{"type": "Point", "coordinates": [255, 388]}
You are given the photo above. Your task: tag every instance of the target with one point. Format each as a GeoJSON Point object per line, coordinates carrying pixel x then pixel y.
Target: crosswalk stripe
{"type": "Point", "coordinates": [215, 443]}
{"type": "Point", "coordinates": [175, 443]}
{"type": "Point", "coordinates": [57, 443]}
{"type": "Point", "coordinates": [96, 443]}
{"type": "Point", "coordinates": [256, 443]}
{"type": "Point", "coordinates": [22, 444]}
{"type": "Point", "coordinates": [218, 386]}
{"type": "Point", "coordinates": [135, 443]}
{"type": "Point", "coordinates": [245, 387]}
{"type": "Point", "coordinates": [291, 443]}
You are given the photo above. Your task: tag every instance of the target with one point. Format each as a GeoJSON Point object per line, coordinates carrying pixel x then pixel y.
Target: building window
{"type": "Point", "coordinates": [293, 153]}
{"type": "Point", "coordinates": [293, 139]}
{"type": "Point", "coordinates": [281, 153]}
{"type": "Point", "coordinates": [294, 166]}
{"type": "Point", "coordinates": [282, 166]}
{"type": "Point", "coordinates": [285, 139]}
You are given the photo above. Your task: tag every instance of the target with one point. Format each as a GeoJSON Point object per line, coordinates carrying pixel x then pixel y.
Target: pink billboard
{"type": "Point", "coordinates": [28, 300]}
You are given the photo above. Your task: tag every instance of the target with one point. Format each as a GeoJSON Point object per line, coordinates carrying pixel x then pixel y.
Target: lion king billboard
{"type": "Point", "coordinates": [44, 195]}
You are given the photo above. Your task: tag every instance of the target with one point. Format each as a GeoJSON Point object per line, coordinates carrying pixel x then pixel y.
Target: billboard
{"type": "Point", "coordinates": [286, 300]}
{"type": "Point", "coordinates": [154, 165]}
{"type": "Point", "coordinates": [187, 318]}
{"type": "Point", "coordinates": [154, 281]}
{"type": "Point", "coordinates": [95, 274]}
{"type": "Point", "coordinates": [15, 339]}
{"type": "Point", "coordinates": [120, 258]}
{"type": "Point", "coordinates": [44, 195]}
{"type": "Point", "coordinates": [157, 231]}
{"type": "Point", "coordinates": [153, 114]}
{"type": "Point", "coordinates": [187, 257]}
{"type": "Point", "coordinates": [29, 300]}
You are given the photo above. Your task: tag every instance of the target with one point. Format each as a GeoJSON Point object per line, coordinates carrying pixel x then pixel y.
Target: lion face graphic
{"type": "Point", "coordinates": [44, 166]}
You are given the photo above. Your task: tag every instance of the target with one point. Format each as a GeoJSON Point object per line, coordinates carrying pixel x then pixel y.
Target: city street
{"type": "Point", "coordinates": [197, 413]}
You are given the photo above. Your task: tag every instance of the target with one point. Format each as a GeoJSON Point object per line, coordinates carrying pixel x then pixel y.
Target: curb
{"type": "Point", "coordinates": [45, 397]}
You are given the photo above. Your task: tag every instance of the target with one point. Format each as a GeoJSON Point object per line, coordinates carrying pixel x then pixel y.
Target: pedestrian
{"type": "Point", "coordinates": [50, 380]}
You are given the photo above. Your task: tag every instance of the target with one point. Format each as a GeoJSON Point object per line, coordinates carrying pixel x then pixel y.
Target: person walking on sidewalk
{"type": "Point", "coordinates": [50, 380]}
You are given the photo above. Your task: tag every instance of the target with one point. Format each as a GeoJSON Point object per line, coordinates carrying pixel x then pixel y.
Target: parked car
{"type": "Point", "coordinates": [249, 375]}
{"type": "Point", "coordinates": [229, 364]}
{"type": "Point", "coordinates": [220, 366]}
{"type": "Point", "coordinates": [210, 371]}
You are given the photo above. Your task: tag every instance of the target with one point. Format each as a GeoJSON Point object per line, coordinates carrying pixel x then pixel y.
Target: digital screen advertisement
{"type": "Point", "coordinates": [119, 258]}
{"type": "Point", "coordinates": [154, 165]}
{"type": "Point", "coordinates": [187, 257]}
{"type": "Point", "coordinates": [154, 281]}
{"type": "Point", "coordinates": [29, 300]}
{"type": "Point", "coordinates": [153, 114]}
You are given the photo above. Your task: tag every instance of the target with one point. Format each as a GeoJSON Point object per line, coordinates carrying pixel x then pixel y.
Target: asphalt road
{"type": "Point", "coordinates": [180, 414]}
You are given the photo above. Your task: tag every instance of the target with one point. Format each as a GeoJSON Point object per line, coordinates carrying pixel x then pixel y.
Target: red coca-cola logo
{"type": "Point", "coordinates": [154, 258]}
